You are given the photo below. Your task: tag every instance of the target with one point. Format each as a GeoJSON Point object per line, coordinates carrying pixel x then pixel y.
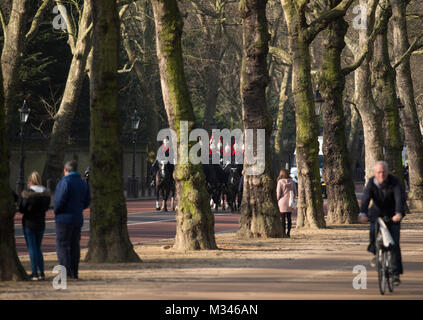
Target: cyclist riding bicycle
{"type": "Point", "coordinates": [388, 197]}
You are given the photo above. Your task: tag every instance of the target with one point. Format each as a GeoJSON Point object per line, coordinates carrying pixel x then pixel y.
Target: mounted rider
{"type": "Point", "coordinates": [155, 166]}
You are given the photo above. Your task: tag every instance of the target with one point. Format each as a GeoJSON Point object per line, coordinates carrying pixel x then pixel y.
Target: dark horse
{"type": "Point", "coordinates": [215, 181]}
{"type": "Point", "coordinates": [231, 190]}
{"type": "Point", "coordinates": [162, 173]}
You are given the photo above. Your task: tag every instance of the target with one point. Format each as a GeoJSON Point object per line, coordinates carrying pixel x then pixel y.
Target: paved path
{"type": "Point", "coordinates": [143, 225]}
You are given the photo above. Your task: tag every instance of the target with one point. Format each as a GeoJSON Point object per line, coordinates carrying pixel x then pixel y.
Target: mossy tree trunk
{"type": "Point", "coordinates": [10, 266]}
{"type": "Point", "coordinates": [409, 117]}
{"type": "Point", "coordinates": [385, 95]}
{"type": "Point", "coordinates": [260, 215]}
{"type": "Point", "coordinates": [13, 47]}
{"type": "Point", "coordinates": [195, 222]}
{"type": "Point", "coordinates": [342, 202]}
{"type": "Point", "coordinates": [53, 168]}
{"type": "Point", "coordinates": [301, 34]}
{"type": "Point", "coordinates": [109, 239]}
{"type": "Point", "coordinates": [370, 113]}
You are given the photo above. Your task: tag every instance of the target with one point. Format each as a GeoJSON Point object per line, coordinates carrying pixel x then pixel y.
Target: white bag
{"type": "Point", "coordinates": [386, 235]}
{"type": "Point", "coordinates": [292, 200]}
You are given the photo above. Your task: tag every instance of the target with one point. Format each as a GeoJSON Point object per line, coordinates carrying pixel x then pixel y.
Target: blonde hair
{"type": "Point", "coordinates": [35, 179]}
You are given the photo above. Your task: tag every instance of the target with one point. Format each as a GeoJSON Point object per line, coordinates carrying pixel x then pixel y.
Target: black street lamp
{"type": "Point", "coordinates": [274, 132]}
{"type": "Point", "coordinates": [318, 100]}
{"type": "Point", "coordinates": [133, 180]}
{"type": "Point", "coordinates": [23, 115]}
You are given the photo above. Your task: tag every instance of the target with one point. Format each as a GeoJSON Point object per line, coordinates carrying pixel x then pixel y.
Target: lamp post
{"type": "Point", "coordinates": [23, 115]}
{"type": "Point", "coordinates": [318, 100]}
{"type": "Point", "coordinates": [133, 180]}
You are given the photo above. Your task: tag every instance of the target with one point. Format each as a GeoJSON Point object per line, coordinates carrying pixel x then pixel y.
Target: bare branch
{"type": "Point", "coordinates": [281, 54]}
{"type": "Point", "coordinates": [413, 47]}
{"type": "Point", "coordinates": [71, 28]}
{"type": "Point", "coordinates": [125, 67]}
{"type": "Point", "coordinates": [347, 70]}
{"type": "Point", "coordinates": [327, 17]}
{"type": "Point", "coordinates": [3, 24]}
{"type": "Point", "coordinates": [37, 20]}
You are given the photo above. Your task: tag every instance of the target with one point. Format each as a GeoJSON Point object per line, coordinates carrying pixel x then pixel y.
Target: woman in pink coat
{"type": "Point", "coordinates": [283, 188]}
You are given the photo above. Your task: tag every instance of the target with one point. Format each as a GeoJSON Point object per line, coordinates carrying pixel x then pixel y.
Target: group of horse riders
{"type": "Point", "coordinates": [224, 181]}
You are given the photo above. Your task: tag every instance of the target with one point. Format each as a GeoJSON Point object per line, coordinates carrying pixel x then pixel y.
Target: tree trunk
{"type": "Point", "coordinates": [370, 113]}
{"type": "Point", "coordinates": [260, 216]}
{"type": "Point", "coordinates": [342, 202]}
{"type": "Point", "coordinates": [353, 144]}
{"type": "Point", "coordinates": [213, 75]}
{"type": "Point", "coordinates": [409, 117]}
{"type": "Point", "coordinates": [63, 119]}
{"type": "Point", "coordinates": [310, 203]}
{"type": "Point", "coordinates": [13, 48]}
{"type": "Point", "coordinates": [386, 97]}
{"type": "Point", "coordinates": [109, 239]}
{"type": "Point", "coordinates": [285, 135]}
{"type": "Point", "coordinates": [10, 266]}
{"type": "Point", "coordinates": [195, 222]}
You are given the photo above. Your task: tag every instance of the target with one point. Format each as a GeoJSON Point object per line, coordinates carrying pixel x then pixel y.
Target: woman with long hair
{"type": "Point", "coordinates": [33, 204]}
{"type": "Point", "coordinates": [283, 193]}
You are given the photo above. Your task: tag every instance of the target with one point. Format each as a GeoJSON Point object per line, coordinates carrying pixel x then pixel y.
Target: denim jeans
{"type": "Point", "coordinates": [33, 240]}
{"type": "Point", "coordinates": [394, 230]}
{"type": "Point", "coordinates": [67, 247]}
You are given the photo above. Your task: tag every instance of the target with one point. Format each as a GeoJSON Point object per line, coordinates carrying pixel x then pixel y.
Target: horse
{"type": "Point", "coordinates": [164, 183]}
{"type": "Point", "coordinates": [215, 180]}
{"type": "Point", "coordinates": [233, 173]}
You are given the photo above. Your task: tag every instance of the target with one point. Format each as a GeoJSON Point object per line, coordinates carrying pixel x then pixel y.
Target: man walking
{"type": "Point", "coordinates": [71, 198]}
{"type": "Point", "coordinates": [388, 197]}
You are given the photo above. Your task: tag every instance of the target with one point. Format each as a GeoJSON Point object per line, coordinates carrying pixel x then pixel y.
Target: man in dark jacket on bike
{"type": "Point", "coordinates": [388, 197]}
{"type": "Point", "coordinates": [71, 198]}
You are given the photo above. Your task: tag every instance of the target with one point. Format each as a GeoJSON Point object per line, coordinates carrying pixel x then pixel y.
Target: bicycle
{"type": "Point", "coordinates": [384, 243]}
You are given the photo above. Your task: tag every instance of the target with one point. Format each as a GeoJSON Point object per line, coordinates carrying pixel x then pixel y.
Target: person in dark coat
{"type": "Point", "coordinates": [388, 197]}
{"type": "Point", "coordinates": [33, 204]}
{"type": "Point", "coordinates": [71, 198]}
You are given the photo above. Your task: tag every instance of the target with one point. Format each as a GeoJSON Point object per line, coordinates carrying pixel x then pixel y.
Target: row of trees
{"type": "Point", "coordinates": [287, 48]}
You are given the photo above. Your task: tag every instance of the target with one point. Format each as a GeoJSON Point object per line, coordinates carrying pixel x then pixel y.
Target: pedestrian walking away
{"type": "Point", "coordinates": [71, 198]}
{"type": "Point", "coordinates": [286, 193]}
{"type": "Point", "coordinates": [33, 204]}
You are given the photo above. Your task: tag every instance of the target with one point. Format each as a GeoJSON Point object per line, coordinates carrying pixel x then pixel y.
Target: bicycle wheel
{"type": "Point", "coordinates": [380, 270]}
{"type": "Point", "coordinates": [389, 275]}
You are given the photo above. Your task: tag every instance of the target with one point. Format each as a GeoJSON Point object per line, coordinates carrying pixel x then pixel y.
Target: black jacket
{"type": "Point", "coordinates": [388, 198]}
{"type": "Point", "coordinates": [33, 205]}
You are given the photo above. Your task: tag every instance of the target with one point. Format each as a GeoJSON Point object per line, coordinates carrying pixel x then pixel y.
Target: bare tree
{"type": "Point", "coordinates": [260, 216]}
{"type": "Point", "coordinates": [195, 222]}
{"type": "Point", "coordinates": [109, 238]}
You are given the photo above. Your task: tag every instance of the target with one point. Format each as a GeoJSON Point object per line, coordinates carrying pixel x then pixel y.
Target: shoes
{"type": "Point", "coordinates": [41, 277]}
{"type": "Point", "coordinates": [397, 280]}
{"type": "Point", "coordinates": [373, 262]}
{"type": "Point", "coordinates": [33, 277]}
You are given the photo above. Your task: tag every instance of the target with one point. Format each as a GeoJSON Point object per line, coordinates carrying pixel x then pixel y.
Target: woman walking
{"type": "Point", "coordinates": [33, 204]}
{"type": "Point", "coordinates": [284, 190]}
